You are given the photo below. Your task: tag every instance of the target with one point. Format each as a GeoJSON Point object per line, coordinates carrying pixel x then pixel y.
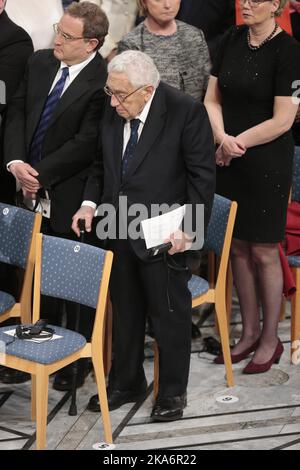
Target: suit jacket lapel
{"type": "Point", "coordinates": [152, 128]}
{"type": "Point", "coordinates": [78, 87]}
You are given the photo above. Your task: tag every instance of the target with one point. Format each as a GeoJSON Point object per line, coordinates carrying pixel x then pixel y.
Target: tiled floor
{"type": "Point", "coordinates": [265, 416]}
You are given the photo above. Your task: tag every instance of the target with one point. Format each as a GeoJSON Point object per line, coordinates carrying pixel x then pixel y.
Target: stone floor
{"type": "Point", "coordinates": [264, 412]}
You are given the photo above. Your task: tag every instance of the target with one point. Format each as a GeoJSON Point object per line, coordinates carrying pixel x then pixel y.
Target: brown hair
{"type": "Point", "coordinates": [95, 22]}
{"type": "Point", "coordinates": [280, 9]}
{"type": "Point", "coordinates": [142, 7]}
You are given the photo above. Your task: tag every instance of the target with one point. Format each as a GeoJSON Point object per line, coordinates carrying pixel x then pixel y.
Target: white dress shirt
{"type": "Point", "coordinates": [74, 70]}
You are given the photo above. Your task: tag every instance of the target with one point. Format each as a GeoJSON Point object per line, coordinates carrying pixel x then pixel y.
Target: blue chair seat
{"type": "Point", "coordinates": [7, 301]}
{"type": "Point", "coordinates": [198, 286]}
{"type": "Point", "coordinates": [46, 352]}
{"type": "Point", "coordinates": [294, 261]}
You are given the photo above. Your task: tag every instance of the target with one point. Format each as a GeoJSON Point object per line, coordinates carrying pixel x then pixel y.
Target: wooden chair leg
{"type": "Point", "coordinates": [224, 335]}
{"type": "Point", "coordinates": [211, 268]}
{"type": "Point", "coordinates": [107, 352]}
{"type": "Point", "coordinates": [282, 309]}
{"type": "Point", "coordinates": [229, 289]}
{"type": "Point", "coordinates": [33, 397]}
{"type": "Point", "coordinates": [217, 264]}
{"type": "Point", "coordinates": [42, 382]}
{"type": "Point", "coordinates": [295, 320]}
{"type": "Point", "coordinates": [156, 371]}
{"type": "Point", "coordinates": [101, 386]}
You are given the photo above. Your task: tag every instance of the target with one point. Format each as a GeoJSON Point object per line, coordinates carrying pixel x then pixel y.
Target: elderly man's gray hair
{"type": "Point", "coordinates": [137, 66]}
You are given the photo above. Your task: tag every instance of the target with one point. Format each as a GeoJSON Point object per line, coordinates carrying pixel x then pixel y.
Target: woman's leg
{"type": "Point", "coordinates": [244, 275]}
{"type": "Point", "coordinates": [270, 280]}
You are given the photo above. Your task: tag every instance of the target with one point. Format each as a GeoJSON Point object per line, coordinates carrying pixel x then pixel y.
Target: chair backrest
{"type": "Point", "coordinates": [296, 176]}
{"type": "Point", "coordinates": [16, 227]}
{"type": "Point", "coordinates": [71, 270]}
{"type": "Point", "coordinates": [217, 225]}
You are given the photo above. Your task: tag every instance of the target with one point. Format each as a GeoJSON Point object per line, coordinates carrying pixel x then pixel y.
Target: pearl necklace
{"type": "Point", "coordinates": [255, 48]}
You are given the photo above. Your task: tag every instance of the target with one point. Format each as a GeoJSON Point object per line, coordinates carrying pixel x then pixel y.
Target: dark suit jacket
{"type": "Point", "coordinates": [174, 160]}
{"type": "Point", "coordinates": [70, 142]}
{"type": "Point", "coordinates": [214, 17]}
{"type": "Point", "coordinates": [15, 49]}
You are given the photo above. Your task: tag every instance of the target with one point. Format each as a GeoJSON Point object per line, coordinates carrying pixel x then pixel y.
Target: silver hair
{"type": "Point", "coordinates": [137, 66]}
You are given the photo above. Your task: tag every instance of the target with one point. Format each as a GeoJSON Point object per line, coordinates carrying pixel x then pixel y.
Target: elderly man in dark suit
{"type": "Point", "coordinates": [156, 148]}
{"type": "Point", "coordinates": [53, 121]}
{"type": "Point", "coordinates": [214, 17]}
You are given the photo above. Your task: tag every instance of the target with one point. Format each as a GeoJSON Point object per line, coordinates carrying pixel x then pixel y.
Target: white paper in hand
{"type": "Point", "coordinates": [158, 229]}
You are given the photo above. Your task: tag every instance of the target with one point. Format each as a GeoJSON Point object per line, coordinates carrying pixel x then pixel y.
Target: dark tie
{"type": "Point", "coordinates": [131, 146]}
{"type": "Point", "coordinates": [52, 100]}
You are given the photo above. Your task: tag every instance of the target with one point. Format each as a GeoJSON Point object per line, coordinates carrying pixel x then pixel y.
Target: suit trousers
{"type": "Point", "coordinates": [158, 288]}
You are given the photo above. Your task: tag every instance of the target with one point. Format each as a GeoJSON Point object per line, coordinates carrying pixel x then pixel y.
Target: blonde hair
{"type": "Point", "coordinates": [280, 9]}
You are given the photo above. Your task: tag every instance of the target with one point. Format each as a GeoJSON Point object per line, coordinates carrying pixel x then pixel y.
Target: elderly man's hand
{"type": "Point", "coordinates": [28, 194]}
{"type": "Point", "coordinates": [86, 213]}
{"type": "Point", "coordinates": [180, 242]}
{"type": "Point", "coordinates": [26, 175]}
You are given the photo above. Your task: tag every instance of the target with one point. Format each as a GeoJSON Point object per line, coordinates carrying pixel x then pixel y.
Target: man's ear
{"type": "Point", "coordinates": [148, 90]}
{"type": "Point", "coordinates": [92, 44]}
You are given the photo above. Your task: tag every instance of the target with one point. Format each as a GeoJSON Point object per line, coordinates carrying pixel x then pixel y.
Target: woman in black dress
{"type": "Point", "coordinates": [251, 108]}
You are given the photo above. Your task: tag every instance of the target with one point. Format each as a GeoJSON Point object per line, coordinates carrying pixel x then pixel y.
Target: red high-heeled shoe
{"type": "Point", "coordinates": [253, 368]}
{"type": "Point", "coordinates": [235, 358]}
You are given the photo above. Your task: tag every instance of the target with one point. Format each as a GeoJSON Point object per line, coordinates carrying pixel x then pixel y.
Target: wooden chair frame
{"type": "Point", "coordinates": [216, 295]}
{"type": "Point", "coordinates": [295, 319]}
{"type": "Point", "coordinates": [23, 308]}
{"type": "Point", "coordinates": [40, 372]}
{"type": "Point", "coordinates": [295, 300]}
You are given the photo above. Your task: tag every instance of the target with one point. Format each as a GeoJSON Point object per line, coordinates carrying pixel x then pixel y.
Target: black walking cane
{"type": "Point", "coordinates": [73, 406]}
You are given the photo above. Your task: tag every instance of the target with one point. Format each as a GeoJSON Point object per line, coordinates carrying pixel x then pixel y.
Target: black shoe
{"type": "Point", "coordinates": [117, 398]}
{"type": "Point", "coordinates": [169, 408]}
{"type": "Point", "coordinates": [13, 376]}
{"type": "Point", "coordinates": [64, 377]}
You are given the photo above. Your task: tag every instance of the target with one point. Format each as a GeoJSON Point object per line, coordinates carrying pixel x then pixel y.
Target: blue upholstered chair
{"type": "Point", "coordinates": [18, 228]}
{"type": "Point", "coordinates": [73, 271]}
{"type": "Point", "coordinates": [218, 240]}
{"type": "Point", "coordinates": [294, 262]}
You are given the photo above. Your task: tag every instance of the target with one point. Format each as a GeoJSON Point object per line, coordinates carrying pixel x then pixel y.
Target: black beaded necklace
{"type": "Point", "coordinates": [255, 48]}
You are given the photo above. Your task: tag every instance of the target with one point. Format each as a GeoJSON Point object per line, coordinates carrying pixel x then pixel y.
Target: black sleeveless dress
{"type": "Point", "coordinates": [260, 180]}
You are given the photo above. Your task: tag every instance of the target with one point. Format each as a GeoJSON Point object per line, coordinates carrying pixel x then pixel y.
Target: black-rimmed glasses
{"type": "Point", "coordinates": [120, 97]}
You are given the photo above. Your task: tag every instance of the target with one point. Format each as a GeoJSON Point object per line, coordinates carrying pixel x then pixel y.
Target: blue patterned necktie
{"type": "Point", "coordinates": [52, 100]}
{"type": "Point", "coordinates": [131, 146]}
